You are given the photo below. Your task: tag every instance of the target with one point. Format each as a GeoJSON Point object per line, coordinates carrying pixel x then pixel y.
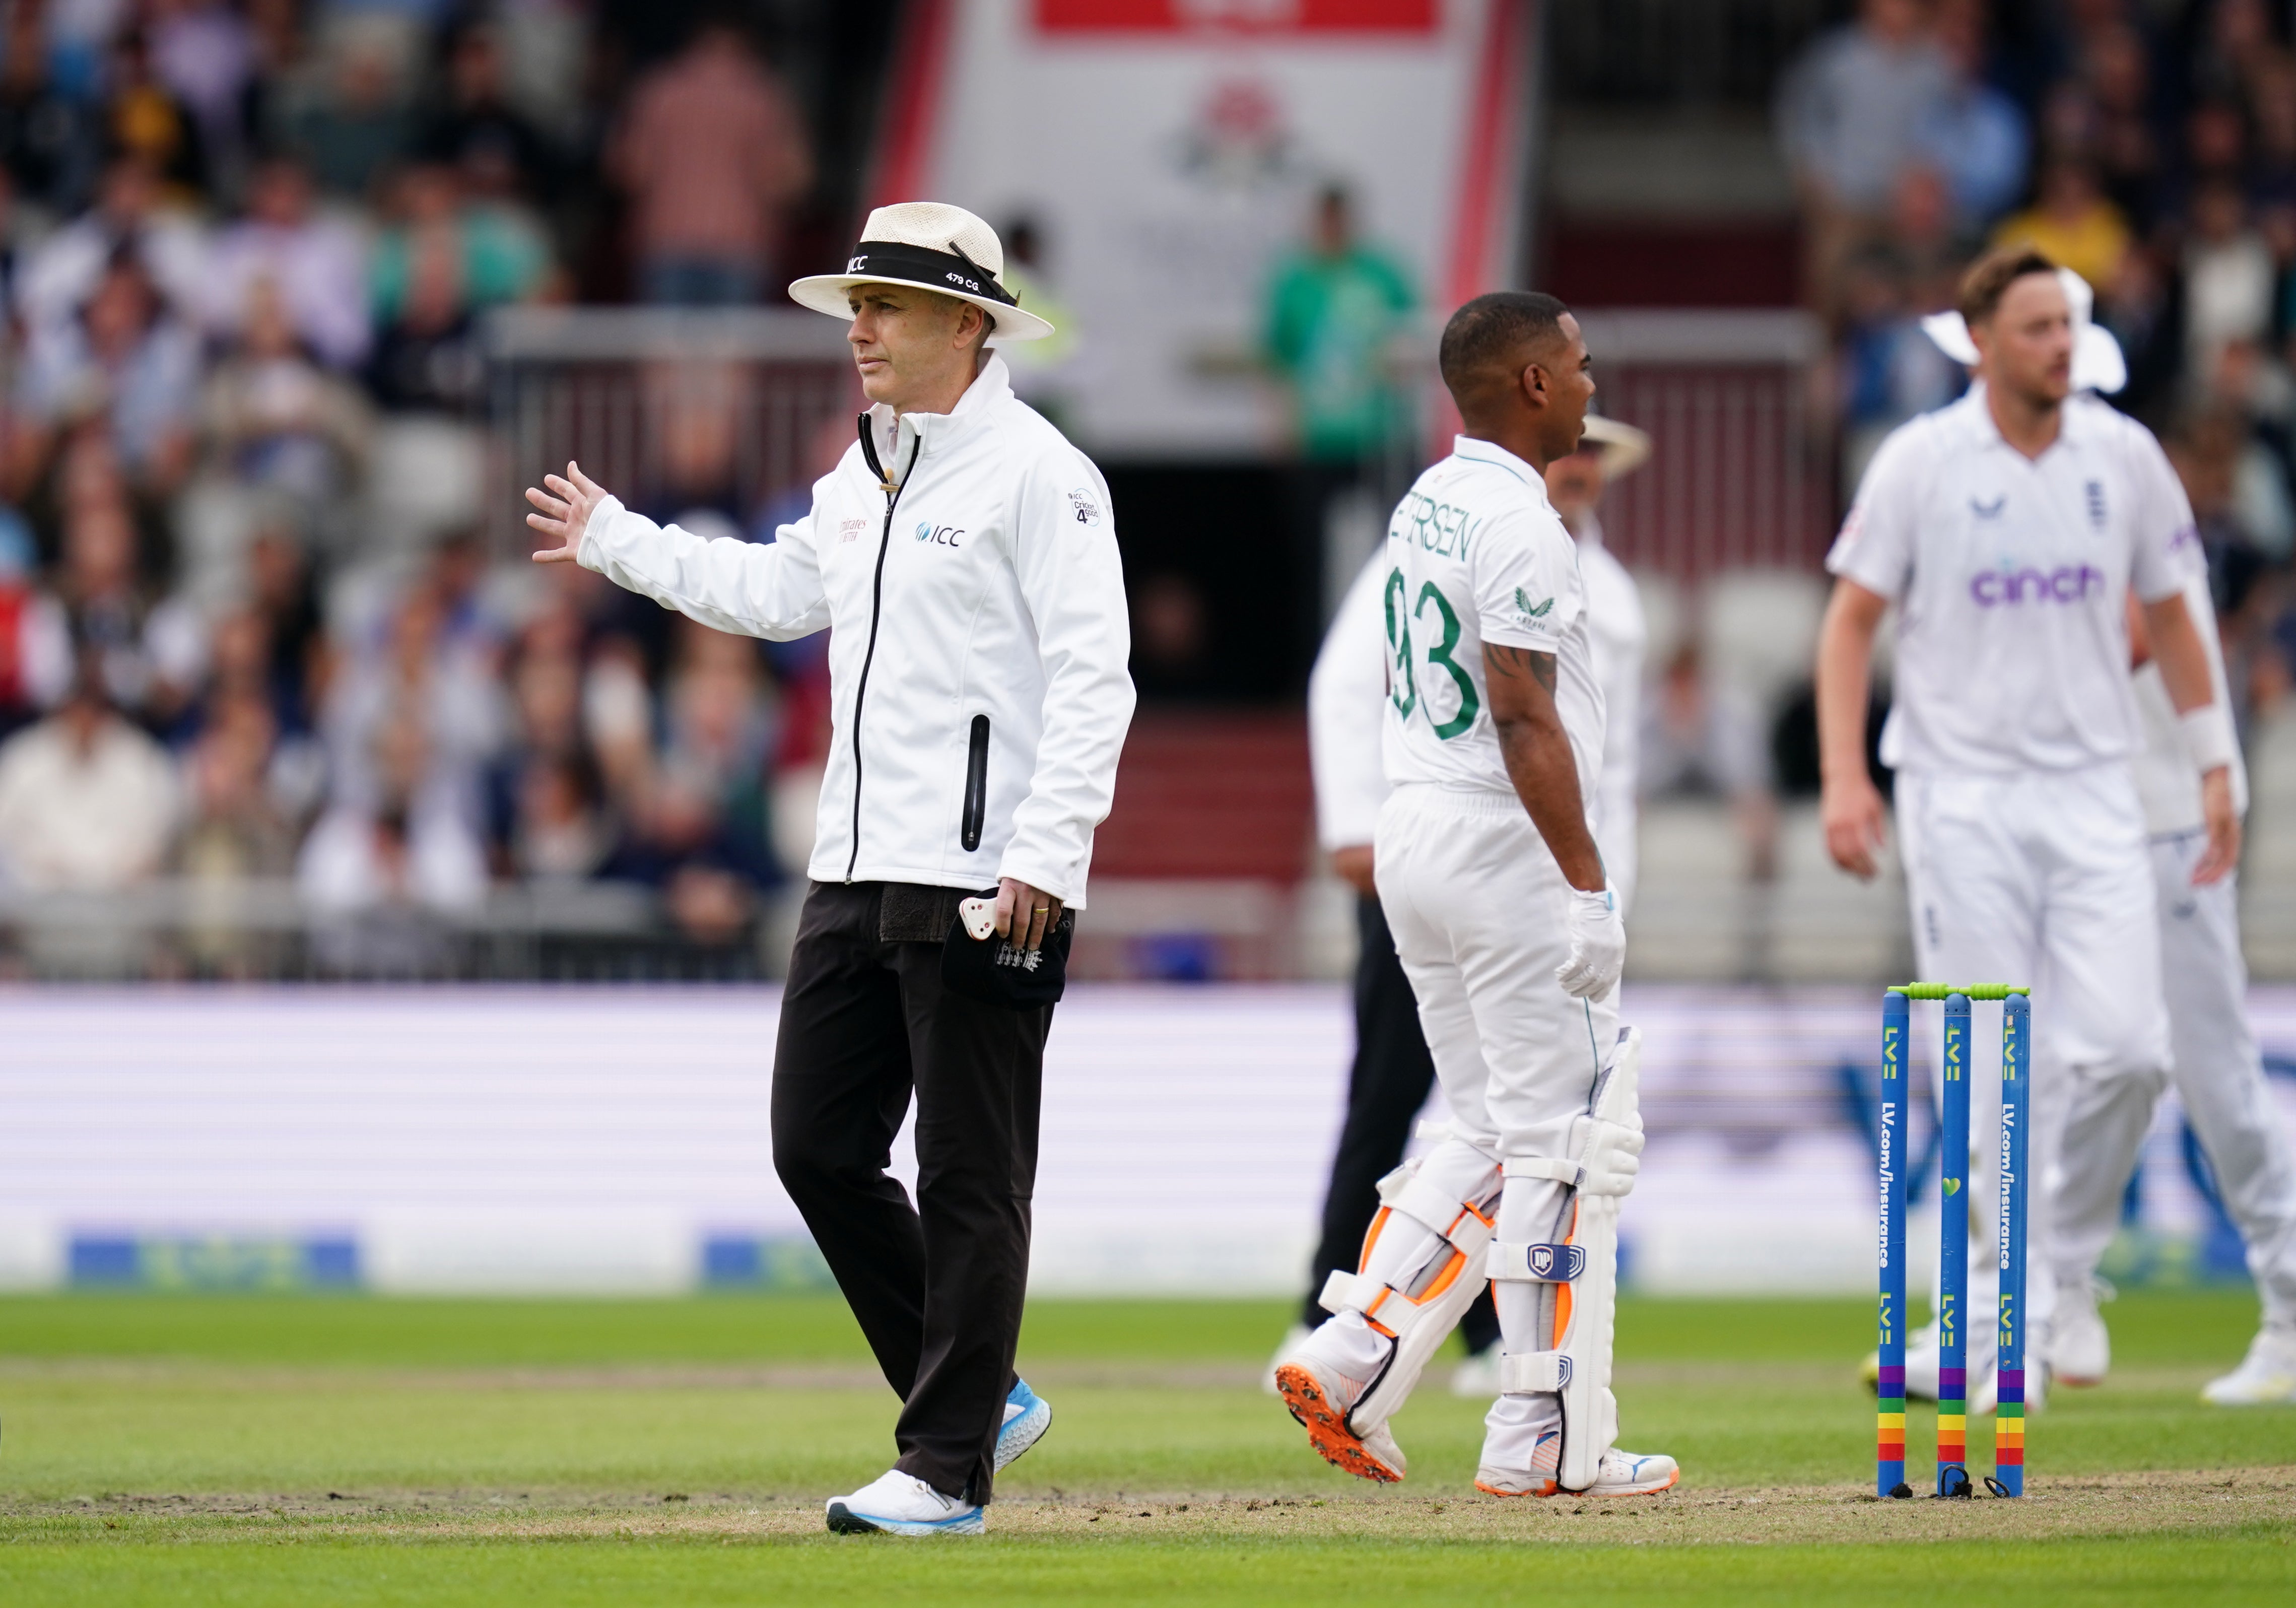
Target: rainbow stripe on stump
{"type": "Point", "coordinates": [2008, 1478]}
{"type": "Point", "coordinates": [2009, 1433]}
{"type": "Point", "coordinates": [2016, 1116]}
{"type": "Point", "coordinates": [1890, 1430]}
{"type": "Point", "coordinates": [1953, 1255]}
{"type": "Point", "coordinates": [1890, 1425]}
{"type": "Point", "coordinates": [1953, 1432]}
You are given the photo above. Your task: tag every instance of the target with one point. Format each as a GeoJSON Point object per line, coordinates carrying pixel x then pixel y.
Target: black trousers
{"type": "Point", "coordinates": [936, 1288]}
{"type": "Point", "coordinates": [1386, 1088]}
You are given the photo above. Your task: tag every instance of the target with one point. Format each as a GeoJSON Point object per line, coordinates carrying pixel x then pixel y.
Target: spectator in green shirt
{"type": "Point", "coordinates": [1333, 310]}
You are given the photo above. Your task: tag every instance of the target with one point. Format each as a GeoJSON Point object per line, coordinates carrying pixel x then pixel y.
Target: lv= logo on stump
{"type": "Point", "coordinates": [2008, 1476]}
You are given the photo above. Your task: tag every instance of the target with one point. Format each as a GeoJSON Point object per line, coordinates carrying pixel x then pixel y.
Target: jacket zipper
{"type": "Point", "coordinates": [876, 608]}
{"type": "Point", "coordinates": [976, 786]}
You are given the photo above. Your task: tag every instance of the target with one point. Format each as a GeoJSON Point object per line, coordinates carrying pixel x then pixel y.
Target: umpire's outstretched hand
{"type": "Point", "coordinates": [565, 502]}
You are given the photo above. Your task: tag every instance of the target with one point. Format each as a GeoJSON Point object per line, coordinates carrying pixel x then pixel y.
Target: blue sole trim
{"type": "Point", "coordinates": [845, 1521]}
{"type": "Point", "coordinates": [1023, 1432]}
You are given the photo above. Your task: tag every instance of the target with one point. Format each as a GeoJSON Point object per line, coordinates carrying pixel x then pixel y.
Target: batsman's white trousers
{"type": "Point", "coordinates": [2219, 1078]}
{"type": "Point", "coordinates": [1477, 905]}
{"type": "Point", "coordinates": [2041, 878]}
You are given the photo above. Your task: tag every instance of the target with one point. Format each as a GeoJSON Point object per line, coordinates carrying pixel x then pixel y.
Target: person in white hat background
{"type": "Point", "coordinates": [1393, 1072]}
{"type": "Point", "coordinates": [964, 557]}
{"type": "Point", "coordinates": [2018, 531]}
{"type": "Point", "coordinates": [1611, 450]}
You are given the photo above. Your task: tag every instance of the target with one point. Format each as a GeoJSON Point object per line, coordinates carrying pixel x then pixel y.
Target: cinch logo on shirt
{"type": "Point", "coordinates": [2067, 583]}
{"type": "Point", "coordinates": [940, 535]}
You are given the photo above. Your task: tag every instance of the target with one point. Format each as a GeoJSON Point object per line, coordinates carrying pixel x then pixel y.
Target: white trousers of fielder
{"type": "Point", "coordinates": [2043, 879]}
{"type": "Point", "coordinates": [1476, 903]}
{"type": "Point", "coordinates": [2219, 1079]}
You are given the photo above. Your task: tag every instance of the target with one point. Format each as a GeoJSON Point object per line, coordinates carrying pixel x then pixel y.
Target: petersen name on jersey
{"type": "Point", "coordinates": [1475, 553]}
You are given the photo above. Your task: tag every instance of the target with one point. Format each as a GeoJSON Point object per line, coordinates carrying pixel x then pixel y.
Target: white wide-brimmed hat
{"type": "Point", "coordinates": [2099, 363]}
{"type": "Point", "coordinates": [1622, 447]}
{"type": "Point", "coordinates": [934, 247]}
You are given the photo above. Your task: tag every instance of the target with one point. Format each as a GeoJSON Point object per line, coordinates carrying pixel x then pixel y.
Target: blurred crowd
{"type": "Point", "coordinates": [248, 625]}
{"type": "Point", "coordinates": [2148, 145]}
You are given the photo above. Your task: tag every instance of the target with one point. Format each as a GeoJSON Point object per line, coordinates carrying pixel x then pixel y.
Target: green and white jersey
{"type": "Point", "coordinates": [1476, 554]}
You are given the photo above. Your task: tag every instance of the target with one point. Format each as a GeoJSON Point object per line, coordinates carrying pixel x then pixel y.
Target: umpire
{"type": "Point", "coordinates": [964, 557]}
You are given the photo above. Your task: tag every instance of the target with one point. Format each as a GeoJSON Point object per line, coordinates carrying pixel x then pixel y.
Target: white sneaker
{"type": "Point", "coordinates": [1502, 1480]}
{"type": "Point", "coordinates": [902, 1505]}
{"type": "Point", "coordinates": [1320, 1395]}
{"type": "Point", "coordinates": [1477, 1379]}
{"type": "Point", "coordinates": [2266, 1377]}
{"type": "Point", "coordinates": [1027, 1416]}
{"type": "Point", "coordinates": [1293, 1337]}
{"type": "Point", "coordinates": [1621, 1474]}
{"type": "Point", "coordinates": [2080, 1351]}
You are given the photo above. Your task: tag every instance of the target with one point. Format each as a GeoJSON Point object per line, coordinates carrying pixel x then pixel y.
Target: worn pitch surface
{"type": "Point", "coordinates": [252, 1451]}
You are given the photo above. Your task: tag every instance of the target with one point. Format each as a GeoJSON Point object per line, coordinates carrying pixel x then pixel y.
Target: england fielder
{"type": "Point", "coordinates": [2009, 527]}
{"type": "Point", "coordinates": [1487, 871]}
{"type": "Point", "coordinates": [2219, 1076]}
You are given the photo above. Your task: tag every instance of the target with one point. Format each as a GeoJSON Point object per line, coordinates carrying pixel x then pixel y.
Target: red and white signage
{"type": "Point", "coordinates": [1168, 151]}
{"type": "Point", "coordinates": [1238, 16]}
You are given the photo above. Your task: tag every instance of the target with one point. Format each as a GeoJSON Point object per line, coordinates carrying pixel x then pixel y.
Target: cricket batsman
{"type": "Point", "coordinates": [1487, 868]}
{"type": "Point", "coordinates": [1393, 1073]}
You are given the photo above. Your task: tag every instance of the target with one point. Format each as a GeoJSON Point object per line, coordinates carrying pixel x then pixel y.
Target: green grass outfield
{"type": "Point", "coordinates": [255, 1450]}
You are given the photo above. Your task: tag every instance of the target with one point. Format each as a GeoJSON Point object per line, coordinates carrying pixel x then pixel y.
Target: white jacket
{"type": "Point", "coordinates": [977, 665]}
{"type": "Point", "coordinates": [1345, 720]}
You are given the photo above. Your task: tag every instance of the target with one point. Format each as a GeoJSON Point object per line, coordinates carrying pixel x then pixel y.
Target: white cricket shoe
{"type": "Point", "coordinates": [1027, 1416]}
{"type": "Point", "coordinates": [1320, 1395]}
{"type": "Point", "coordinates": [1621, 1474]}
{"type": "Point", "coordinates": [1477, 1379]}
{"type": "Point", "coordinates": [1293, 1338]}
{"type": "Point", "coordinates": [896, 1503]}
{"type": "Point", "coordinates": [2266, 1375]}
{"type": "Point", "coordinates": [2080, 1351]}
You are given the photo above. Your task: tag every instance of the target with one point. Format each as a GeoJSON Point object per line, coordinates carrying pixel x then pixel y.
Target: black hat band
{"type": "Point", "coordinates": [920, 265]}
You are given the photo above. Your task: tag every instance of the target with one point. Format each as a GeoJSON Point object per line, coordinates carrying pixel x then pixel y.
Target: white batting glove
{"type": "Point", "coordinates": [1598, 945]}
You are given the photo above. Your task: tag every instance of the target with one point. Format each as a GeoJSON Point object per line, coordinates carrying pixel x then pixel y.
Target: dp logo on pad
{"type": "Point", "coordinates": [1557, 1262]}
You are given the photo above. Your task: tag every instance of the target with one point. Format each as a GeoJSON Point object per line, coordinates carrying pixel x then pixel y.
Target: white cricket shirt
{"type": "Point", "coordinates": [2012, 577]}
{"type": "Point", "coordinates": [1346, 692]}
{"type": "Point", "coordinates": [1476, 554]}
{"type": "Point", "coordinates": [1619, 634]}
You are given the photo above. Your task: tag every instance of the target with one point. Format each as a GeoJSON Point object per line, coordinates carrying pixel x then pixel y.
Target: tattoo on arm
{"type": "Point", "coordinates": [1512, 664]}
{"type": "Point", "coordinates": [1539, 763]}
